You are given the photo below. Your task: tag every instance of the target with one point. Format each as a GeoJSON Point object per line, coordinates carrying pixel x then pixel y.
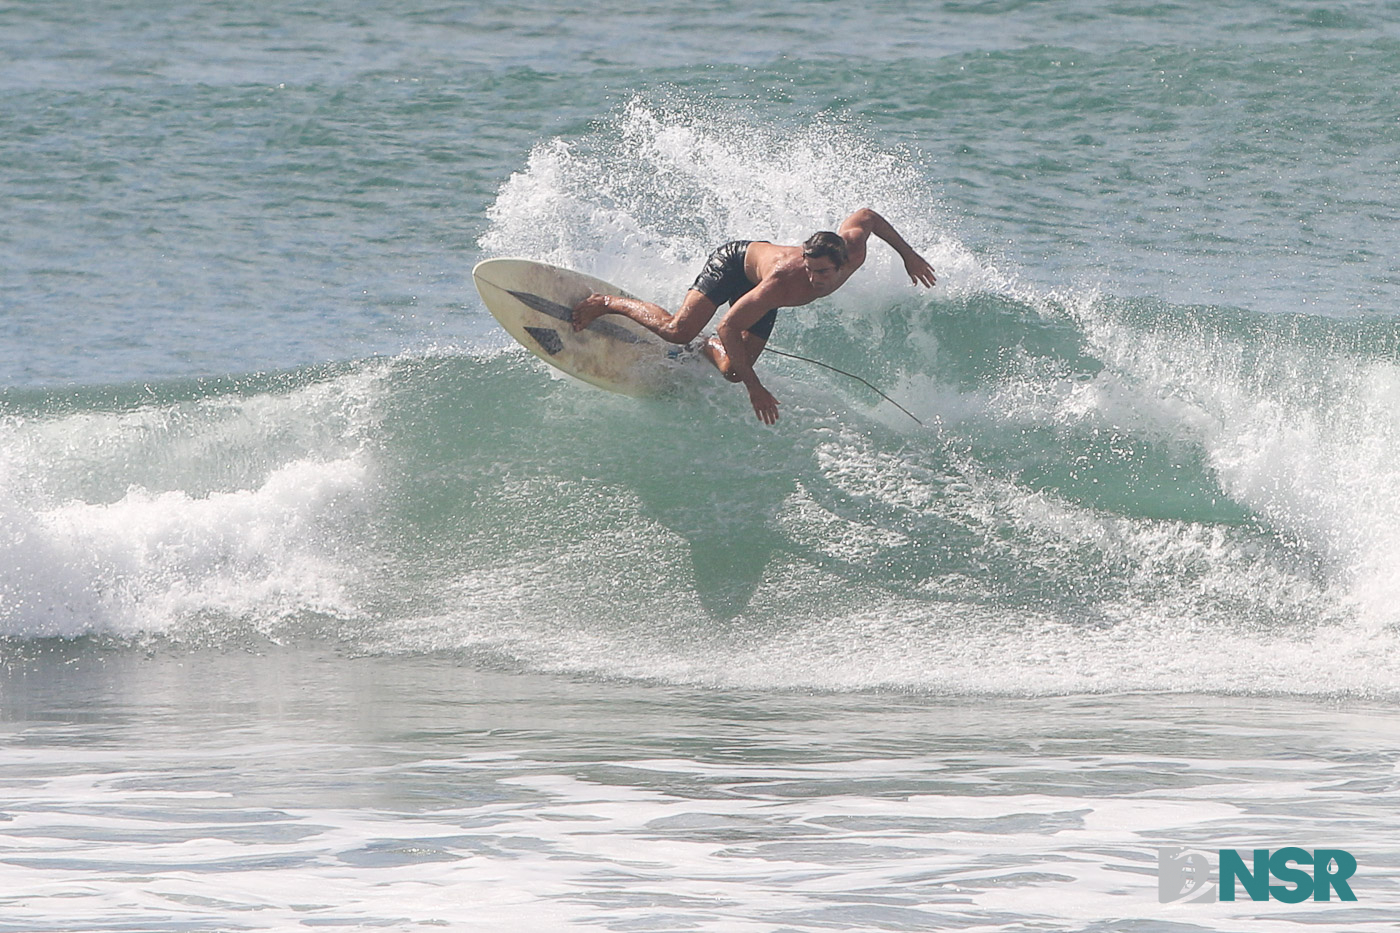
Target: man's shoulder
{"type": "Point", "coordinates": [861, 223]}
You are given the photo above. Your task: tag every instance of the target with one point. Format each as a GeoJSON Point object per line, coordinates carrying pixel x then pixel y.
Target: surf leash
{"type": "Point", "coordinates": [794, 356]}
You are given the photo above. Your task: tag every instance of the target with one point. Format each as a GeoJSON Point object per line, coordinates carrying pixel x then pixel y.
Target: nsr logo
{"type": "Point", "coordinates": [1185, 875]}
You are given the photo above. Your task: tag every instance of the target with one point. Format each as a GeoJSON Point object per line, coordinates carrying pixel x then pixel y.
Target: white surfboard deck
{"type": "Point", "coordinates": [534, 302]}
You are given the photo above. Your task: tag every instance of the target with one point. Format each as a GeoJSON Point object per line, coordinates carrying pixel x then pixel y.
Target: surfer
{"type": "Point", "coordinates": [757, 278]}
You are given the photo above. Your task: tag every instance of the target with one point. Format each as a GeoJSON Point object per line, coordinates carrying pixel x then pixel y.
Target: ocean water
{"type": "Point", "coordinates": [323, 605]}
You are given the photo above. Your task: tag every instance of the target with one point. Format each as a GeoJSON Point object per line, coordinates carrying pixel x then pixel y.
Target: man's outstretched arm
{"type": "Point", "coordinates": [857, 228]}
{"type": "Point", "coordinates": [742, 315]}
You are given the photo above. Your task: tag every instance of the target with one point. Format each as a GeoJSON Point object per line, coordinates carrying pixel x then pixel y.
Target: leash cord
{"type": "Point", "coordinates": [794, 356]}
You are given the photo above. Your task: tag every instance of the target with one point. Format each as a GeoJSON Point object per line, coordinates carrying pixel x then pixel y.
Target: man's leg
{"type": "Point", "coordinates": [682, 327]}
{"type": "Point", "coordinates": [713, 351]}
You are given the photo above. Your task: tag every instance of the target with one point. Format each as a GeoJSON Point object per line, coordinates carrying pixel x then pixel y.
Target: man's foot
{"type": "Point", "coordinates": [589, 310]}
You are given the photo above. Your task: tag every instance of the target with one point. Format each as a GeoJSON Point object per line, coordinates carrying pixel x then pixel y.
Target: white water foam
{"type": "Point", "coordinates": [665, 810]}
{"type": "Point", "coordinates": [139, 521]}
{"type": "Point", "coordinates": [152, 560]}
{"type": "Point", "coordinates": [1306, 437]}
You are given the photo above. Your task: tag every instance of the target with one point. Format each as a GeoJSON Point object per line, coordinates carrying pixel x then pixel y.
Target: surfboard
{"type": "Point", "coordinates": [534, 302]}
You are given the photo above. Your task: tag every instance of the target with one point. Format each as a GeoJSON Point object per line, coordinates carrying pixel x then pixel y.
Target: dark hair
{"type": "Point", "coordinates": [828, 244]}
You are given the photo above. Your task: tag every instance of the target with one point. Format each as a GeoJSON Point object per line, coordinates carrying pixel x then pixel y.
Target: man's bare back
{"type": "Point", "coordinates": [770, 277]}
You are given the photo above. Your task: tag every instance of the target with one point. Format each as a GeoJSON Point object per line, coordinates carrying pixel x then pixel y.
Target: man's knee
{"type": "Point", "coordinates": [694, 313]}
{"type": "Point", "coordinates": [681, 330]}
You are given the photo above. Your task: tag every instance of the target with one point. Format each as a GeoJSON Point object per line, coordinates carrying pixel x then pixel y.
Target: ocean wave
{"type": "Point", "coordinates": [1107, 494]}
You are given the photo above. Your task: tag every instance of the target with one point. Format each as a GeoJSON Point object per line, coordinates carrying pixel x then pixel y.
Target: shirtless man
{"type": "Point", "coordinates": [757, 278]}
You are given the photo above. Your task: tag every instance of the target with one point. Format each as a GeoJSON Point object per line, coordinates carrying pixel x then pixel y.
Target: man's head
{"type": "Point", "coordinates": [824, 243]}
{"type": "Point", "coordinates": [824, 253]}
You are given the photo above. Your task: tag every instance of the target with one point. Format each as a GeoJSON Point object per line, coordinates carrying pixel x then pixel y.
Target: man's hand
{"type": "Point", "coordinates": [764, 405]}
{"type": "Point", "coordinates": [920, 272]}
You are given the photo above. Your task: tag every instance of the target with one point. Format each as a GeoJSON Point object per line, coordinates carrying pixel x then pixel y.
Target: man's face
{"type": "Point", "coordinates": [821, 272]}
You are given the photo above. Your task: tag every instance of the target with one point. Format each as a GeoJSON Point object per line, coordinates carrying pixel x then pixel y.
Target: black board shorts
{"type": "Point", "coordinates": [723, 279]}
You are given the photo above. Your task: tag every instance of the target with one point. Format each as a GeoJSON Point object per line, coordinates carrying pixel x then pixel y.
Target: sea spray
{"type": "Point", "coordinates": [645, 198]}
